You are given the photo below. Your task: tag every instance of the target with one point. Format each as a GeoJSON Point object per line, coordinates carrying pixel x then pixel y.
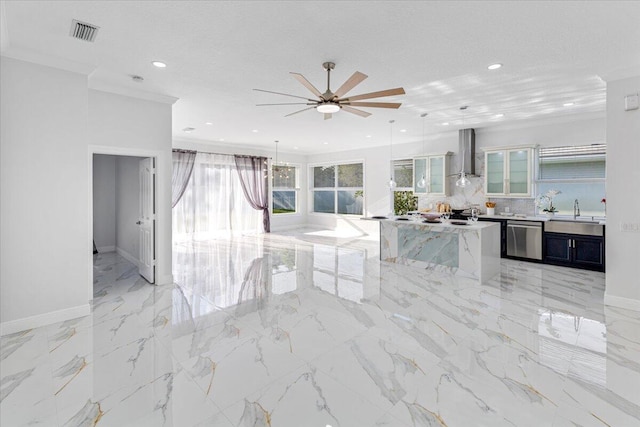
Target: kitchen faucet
{"type": "Point", "coordinates": [576, 209]}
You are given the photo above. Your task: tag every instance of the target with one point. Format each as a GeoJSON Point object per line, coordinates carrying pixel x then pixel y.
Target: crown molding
{"type": "Point", "coordinates": [620, 74]}
{"type": "Point", "coordinates": [39, 58]}
{"type": "Point", "coordinates": [234, 148]}
{"type": "Point", "coordinates": [132, 93]}
{"type": "Point", "coordinates": [96, 84]}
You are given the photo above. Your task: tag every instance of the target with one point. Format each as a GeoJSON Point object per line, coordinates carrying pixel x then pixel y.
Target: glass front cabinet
{"type": "Point", "coordinates": [508, 172]}
{"type": "Point", "coordinates": [435, 169]}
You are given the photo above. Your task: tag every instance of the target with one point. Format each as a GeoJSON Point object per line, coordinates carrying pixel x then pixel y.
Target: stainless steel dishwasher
{"type": "Point", "coordinates": [524, 239]}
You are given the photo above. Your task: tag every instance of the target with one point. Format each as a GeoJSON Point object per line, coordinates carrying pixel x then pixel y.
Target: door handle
{"type": "Point", "coordinates": [138, 222]}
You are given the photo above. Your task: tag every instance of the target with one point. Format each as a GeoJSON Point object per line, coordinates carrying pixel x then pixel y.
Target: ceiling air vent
{"type": "Point", "coordinates": [83, 31]}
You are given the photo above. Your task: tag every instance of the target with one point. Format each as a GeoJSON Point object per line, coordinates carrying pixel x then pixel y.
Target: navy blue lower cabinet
{"type": "Point", "coordinates": [588, 252]}
{"type": "Point", "coordinates": [558, 248]}
{"type": "Point", "coordinates": [573, 250]}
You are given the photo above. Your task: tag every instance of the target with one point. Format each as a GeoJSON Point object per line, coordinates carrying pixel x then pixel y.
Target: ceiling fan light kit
{"type": "Point", "coordinates": [331, 102]}
{"type": "Point", "coordinates": [328, 108]}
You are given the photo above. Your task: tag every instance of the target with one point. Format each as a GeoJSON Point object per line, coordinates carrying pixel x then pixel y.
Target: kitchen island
{"type": "Point", "coordinates": [465, 250]}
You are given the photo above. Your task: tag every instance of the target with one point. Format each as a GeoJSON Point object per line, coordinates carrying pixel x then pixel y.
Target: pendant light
{"type": "Point", "coordinates": [392, 183]}
{"type": "Point", "coordinates": [463, 181]}
{"type": "Point", "coordinates": [422, 183]}
{"type": "Point", "coordinates": [276, 169]}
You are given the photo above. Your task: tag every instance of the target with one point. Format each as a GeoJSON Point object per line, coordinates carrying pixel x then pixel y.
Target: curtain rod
{"type": "Point", "coordinates": [183, 150]}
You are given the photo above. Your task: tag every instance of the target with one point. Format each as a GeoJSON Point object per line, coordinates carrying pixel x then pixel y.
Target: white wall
{"type": "Point", "coordinates": [104, 202]}
{"type": "Point", "coordinates": [130, 126]}
{"type": "Point", "coordinates": [278, 222]}
{"type": "Point", "coordinates": [127, 206]}
{"type": "Point", "coordinates": [44, 221]}
{"type": "Point", "coordinates": [623, 197]}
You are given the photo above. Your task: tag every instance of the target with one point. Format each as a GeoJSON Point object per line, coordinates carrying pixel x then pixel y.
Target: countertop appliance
{"type": "Point", "coordinates": [524, 239]}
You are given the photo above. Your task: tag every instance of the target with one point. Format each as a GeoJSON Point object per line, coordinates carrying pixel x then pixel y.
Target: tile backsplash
{"type": "Point", "coordinates": [474, 194]}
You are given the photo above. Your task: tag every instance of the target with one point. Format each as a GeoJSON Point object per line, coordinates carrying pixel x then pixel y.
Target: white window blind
{"type": "Point", "coordinates": [577, 162]}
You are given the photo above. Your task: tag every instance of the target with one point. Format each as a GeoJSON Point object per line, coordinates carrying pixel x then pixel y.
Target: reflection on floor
{"type": "Point", "coordinates": [306, 329]}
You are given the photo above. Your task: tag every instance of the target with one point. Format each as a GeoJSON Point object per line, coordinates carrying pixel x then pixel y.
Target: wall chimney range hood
{"type": "Point", "coordinates": [467, 151]}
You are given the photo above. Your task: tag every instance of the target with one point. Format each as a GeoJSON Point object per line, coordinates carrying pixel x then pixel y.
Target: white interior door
{"type": "Point", "coordinates": [146, 220]}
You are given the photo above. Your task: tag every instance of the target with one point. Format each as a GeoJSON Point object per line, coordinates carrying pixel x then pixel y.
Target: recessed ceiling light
{"type": "Point", "coordinates": [255, 131]}
{"type": "Point", "coordinates": [295, 148]}
{"type": "Point", "coordinates": [159, 64]}
{"type": "Point", "coordinates": [368, 136]}
{"type": "Point", "coordinates": [208, 123]}
{"type": "Point", "coordinates": [221, 139]}
{"type": "Point", "coordinates": [403, 130]}
{"type": "Point", "coordinates": [445, 124]}
{"type": "Point", "coordinates": [497, 116]}
{"type": "Point", "coordinates": [188, 130]}
{"type": "Point", "coordinates": [494, 66]}
{"type": "Point", "coordinates": [568, 104]}
{"type": "Point", "coordinates": [325, 143]}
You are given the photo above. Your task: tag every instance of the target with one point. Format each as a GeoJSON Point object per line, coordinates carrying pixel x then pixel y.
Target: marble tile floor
{"type": "Point", "coordinates": [304, 328]}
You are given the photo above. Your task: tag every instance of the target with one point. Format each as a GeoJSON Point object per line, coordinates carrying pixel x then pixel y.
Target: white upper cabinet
{"type": "Point", "coordinates": [508, 172]}
{"type": "Point", "coordinates": [435, 169]}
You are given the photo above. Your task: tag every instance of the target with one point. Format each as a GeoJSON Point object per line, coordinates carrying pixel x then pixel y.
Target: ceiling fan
{"type": "Point", "coordinates": [332, 102]}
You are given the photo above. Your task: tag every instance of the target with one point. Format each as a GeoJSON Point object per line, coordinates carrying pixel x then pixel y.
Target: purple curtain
{"type": "Point", "coordinates": [253, 177]}
{"type": "Point", "coordinates": [183, 161]}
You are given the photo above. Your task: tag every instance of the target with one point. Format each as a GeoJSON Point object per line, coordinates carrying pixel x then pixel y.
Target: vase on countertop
{"type": "Point", "coordinates": [550, 214]}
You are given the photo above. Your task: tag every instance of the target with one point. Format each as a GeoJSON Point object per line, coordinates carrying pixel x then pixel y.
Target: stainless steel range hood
{"type": "Point", "coordinates": [467, 152]}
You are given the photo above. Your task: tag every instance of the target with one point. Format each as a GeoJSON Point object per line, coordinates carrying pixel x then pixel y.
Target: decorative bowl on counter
{"type": "Point", "coordinates": [431, 216]}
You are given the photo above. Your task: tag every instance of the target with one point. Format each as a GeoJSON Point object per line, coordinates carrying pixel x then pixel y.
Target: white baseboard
{"type": "Point", "coordinates": [103, 249]}
{"type": "Point", "coordinates": [286, 227]}
{"type": "Point", "coordinates": [622, 302]}
{"type": "Point", "coordinates": [44, 319]}
{"type": "Point", "coordinates": [126, 255]}
{"type": "Point", "coordinates": [164, 280]}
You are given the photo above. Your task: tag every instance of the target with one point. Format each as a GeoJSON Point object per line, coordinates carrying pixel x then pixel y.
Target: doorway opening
{"type": "Point", "coordinates": [124, 222]}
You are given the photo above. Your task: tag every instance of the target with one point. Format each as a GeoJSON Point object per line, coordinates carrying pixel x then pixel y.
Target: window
{"type": "Point", "coordinates": [284, 193]}
{"type": "Point", "coordinates": [338, 188]}
{"type": "Point", "coordinates": [403, 174]}
{"type": "Point", "coordinates": [578, 172]}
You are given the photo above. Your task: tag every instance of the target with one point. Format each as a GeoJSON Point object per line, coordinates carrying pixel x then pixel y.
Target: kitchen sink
{"type": "Point", "coordinates": [575, 226]}
{"type": "Point", "coordinates": [578, 220]}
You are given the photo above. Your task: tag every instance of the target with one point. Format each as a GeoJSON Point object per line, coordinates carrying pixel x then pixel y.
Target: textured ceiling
{"type": "Point", "coordinates": [217, 52]}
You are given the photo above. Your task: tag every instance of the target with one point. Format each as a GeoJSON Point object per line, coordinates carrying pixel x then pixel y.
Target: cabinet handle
{"type": "Point", "coordinates": [569, 243]}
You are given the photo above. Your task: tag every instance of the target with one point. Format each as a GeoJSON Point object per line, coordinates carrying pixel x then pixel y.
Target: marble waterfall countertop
{"type": "Point", "coordinates": [467, 250]}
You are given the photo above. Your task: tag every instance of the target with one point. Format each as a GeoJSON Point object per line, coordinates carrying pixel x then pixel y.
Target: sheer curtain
{"type": "Point", "coordinates": [253, 177]}
{"type": "Point", "coordinates": [213, 204]}
{"type": "Point", "coordinates": [183, 161]}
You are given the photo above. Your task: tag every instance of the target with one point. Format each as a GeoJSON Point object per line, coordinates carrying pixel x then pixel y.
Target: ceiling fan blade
{"type": "Point", "coordinates": [379, 94]}
{"type": "Point", "coordinates": [355, 111]}
{"type": "Point", "coordinates": [327, 116]}
{"type": "Point", "coordinates": [306, 83]}
{"type": "Point", "coordinates": [286, 103]}
{"type": "Point", "coordinates": [376, 104]}
{"type": "Point", "coordinates": [299, 111]}
{"type": "Point", "coordinates": [285, 94]}
{"type": "Point", "coordinates": [352, 82]}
